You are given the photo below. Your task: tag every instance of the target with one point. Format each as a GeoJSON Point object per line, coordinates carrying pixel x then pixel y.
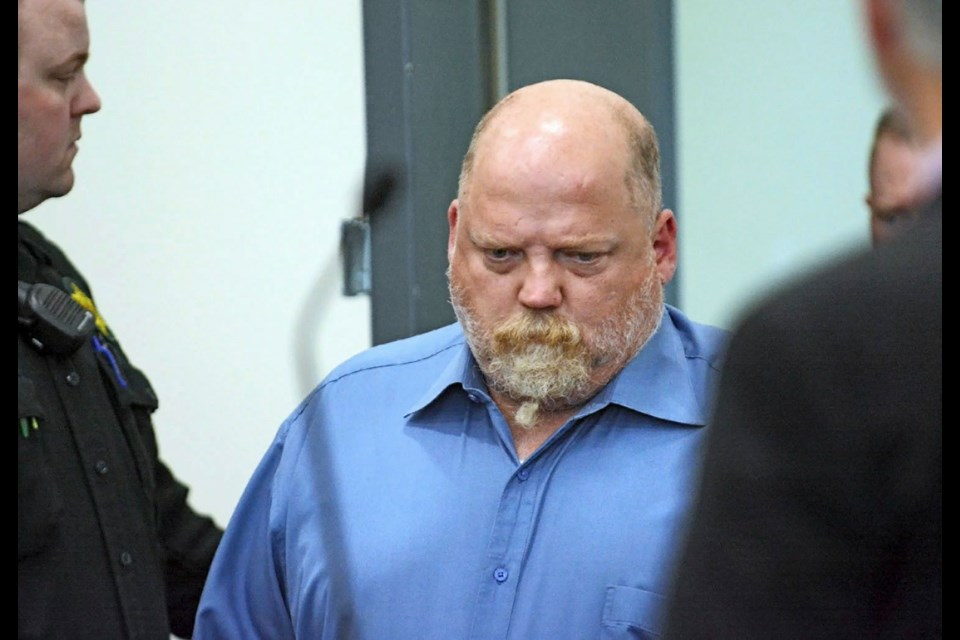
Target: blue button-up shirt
{"type": "Point", "coordinates": [392, 504]}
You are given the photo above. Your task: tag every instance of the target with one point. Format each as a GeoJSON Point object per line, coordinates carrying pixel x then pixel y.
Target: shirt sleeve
{"type": "Point", "coordinates": [187, 539]}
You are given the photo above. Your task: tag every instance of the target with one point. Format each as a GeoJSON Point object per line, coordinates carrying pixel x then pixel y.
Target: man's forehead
{"type": "Point", "coordinates": [553, 157]}
{"type": "Point", "coordinates": [56, 26]}
{"type": "Point", "coordinates": [490, 225]}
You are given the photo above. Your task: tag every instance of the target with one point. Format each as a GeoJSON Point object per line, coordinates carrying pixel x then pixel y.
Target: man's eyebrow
{"type": "Point", "coordinates": [606, 241]}
{"type": "Point", "coordinates": [481, 238]}
{"type": "Point", "coordinates": [591, 243]}
{"type": "Point", "coordinates": [77, 59]}
{"type": "Point", "coordinates": [71, 60]}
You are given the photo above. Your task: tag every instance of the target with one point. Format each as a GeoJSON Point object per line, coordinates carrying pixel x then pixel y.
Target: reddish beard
{"type": "Point", "coordinates": [518, 333]}
{"type": "Point", "coordinates": [533, 356]}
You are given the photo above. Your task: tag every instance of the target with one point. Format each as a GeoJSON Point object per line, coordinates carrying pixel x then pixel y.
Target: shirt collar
{"type": "Point", "coordinates": [462, 371]}
{"type": "Point", "coordinates": [655, 382]}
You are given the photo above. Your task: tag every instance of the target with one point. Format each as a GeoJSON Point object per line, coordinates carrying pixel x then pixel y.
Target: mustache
{"type": "Point", "coordinates": [537, 328]}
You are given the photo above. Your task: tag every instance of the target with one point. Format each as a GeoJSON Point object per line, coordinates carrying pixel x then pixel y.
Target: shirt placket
{"type": "Point", "coordinates": [76, 384]}
{"type": "Point", "coordinates": [516, 517]}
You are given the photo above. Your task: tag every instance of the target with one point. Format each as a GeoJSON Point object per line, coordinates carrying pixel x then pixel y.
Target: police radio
{"type": "Point", "coordinates": [54, 322]}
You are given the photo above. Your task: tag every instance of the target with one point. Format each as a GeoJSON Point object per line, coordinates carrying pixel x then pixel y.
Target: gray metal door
{"type": "Point", "coordinates": [433, 67]}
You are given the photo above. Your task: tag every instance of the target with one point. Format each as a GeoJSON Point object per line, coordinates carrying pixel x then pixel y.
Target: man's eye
{"type": "Point", "coordinates": [499, 255]}
{"type": "Point", "coordinates": [584, 257]}
{"type": "Point", "coordinates": [64, 77]}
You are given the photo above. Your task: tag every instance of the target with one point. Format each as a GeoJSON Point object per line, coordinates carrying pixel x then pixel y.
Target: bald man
{"type": "Point", "coordinates": [523, 472]}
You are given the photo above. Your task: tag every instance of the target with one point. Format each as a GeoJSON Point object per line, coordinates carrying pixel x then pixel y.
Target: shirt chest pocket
{"type": "Point", "coordinates": [39, 502]}
{"type": "Point", "coordinates": [631, 613]}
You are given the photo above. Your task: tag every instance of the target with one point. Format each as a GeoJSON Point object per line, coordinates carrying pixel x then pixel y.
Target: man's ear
{"type": "Point", "coordinates": [453, 213]}
{"type": "Point", "coordinates": [665, 245]}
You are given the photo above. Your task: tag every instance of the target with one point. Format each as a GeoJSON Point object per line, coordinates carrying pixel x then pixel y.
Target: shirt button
{"type": "Point", "coordinates": [73, 378]}
{"type": "Point", "coordinates": [523, 474]}
{"type": "Point", "coordinates": [500, 574]}
{"type": "Point", "coordinates": [126, 559]}
{"type": "Point", "coordinates": [101, 467]}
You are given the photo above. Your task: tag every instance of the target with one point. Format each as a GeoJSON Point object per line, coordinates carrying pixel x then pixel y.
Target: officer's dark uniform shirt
{"type": "Point", "coordinates": [107, 546]}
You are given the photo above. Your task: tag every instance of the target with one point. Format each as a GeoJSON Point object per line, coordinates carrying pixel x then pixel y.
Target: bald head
{"type": "Point", "coordinates": [538, 125]}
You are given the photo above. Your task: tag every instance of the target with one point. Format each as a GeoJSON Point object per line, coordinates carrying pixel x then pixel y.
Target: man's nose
{"type": "Point", "coordinates": [87, 100]}
{"type": "Point", "coordinates": [541, 288]}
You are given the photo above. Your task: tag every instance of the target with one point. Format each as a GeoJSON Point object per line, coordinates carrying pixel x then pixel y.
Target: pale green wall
{"type": "Point", "coordinates": [776, 102]}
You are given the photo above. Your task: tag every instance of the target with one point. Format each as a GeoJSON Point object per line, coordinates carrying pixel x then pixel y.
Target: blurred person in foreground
{"type": "Point", "coordinates": [107, 546]}
{"type": "Point", "coordinates": [521, 473]}
{"type": "Point", "coordinates": [820, 507]}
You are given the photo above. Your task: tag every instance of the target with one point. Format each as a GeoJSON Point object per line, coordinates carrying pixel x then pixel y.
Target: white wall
{"type": "Point", "coordinates": [211, 187]}
{"type": "Point", "coordinates": [209, 195]}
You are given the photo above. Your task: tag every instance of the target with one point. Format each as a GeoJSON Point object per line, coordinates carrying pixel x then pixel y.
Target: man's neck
{"type": "Point", "coordinates": [527, 439]}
